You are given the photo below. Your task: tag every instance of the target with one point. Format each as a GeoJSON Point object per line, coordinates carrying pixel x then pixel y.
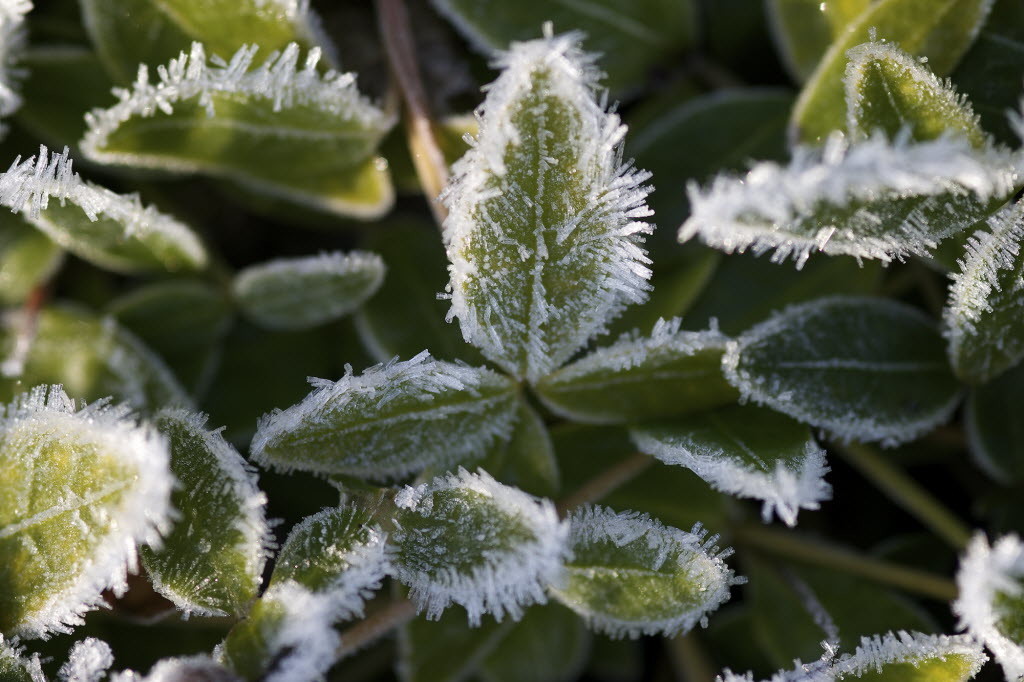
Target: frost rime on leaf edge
{"type": "Point", "coordinates": [12, 44]}
{"type": "Point", "coordinates": [876, 652]}
{"type": "Point", "coordinates": [11, 651]}
{"type": "Point", "coordinates": [88, 661]}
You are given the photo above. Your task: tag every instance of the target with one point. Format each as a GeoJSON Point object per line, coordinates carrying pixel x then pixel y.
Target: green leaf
{"type": "Point", "coordinates": [27, 258]}
{"type": "Point", "coordinates": [941, 30]}
{"type": "Point", "coordinates": [82, 485]}
{"type": "Point", "coordinates": [549, 644]}
{"type": "Point", "coordinates": [990, 605]}
{"type": "Point", "coordinates": [298, 293]}
{"type": "Point", "coordinates": [991, 420]}
{"type": "Point", "coordinates": [280, 128]}
{"type": "Point", "coordinates": [630, 575]}
{"type": "Point", "coordinates": [804, 29]}
{"type": "Point", "coordinates": [745, 451]}
{"type": "Point", "coordinates": [528, 460]}
{"type": "Point", "coordinates": [16, 667]}
{"type": "Point", "coordinates": [467, 539]}
{"type": "Point", "coordinates": [912, 657]}
{"type": "Point", "coordinates": [91, 356]}
{"type": "Point", "coordinates": [890, 91]}
{"type": "Point", "coordinates": [670, 372]}
{"type": "Point", "coordinates": [874, 199]}
{"type": "Point", "coordinates": [212, 561]}
{"type": "Point", "coordinates": [170, 26]}
{"type": "Point", "coordinates": [982, 318]}
{"type": "Point", "coordinates": [545, 223]}
{"type": "Point", "coordinates": [866, 369]}
{"type": "Point", "coordinates": [110, 230]}
{"type": "Point", "coordinates": [640, 38]}
{"type": "Point", "coordinates": [392, 420]}
{"type": "Point", "coordinates": [426, 646]}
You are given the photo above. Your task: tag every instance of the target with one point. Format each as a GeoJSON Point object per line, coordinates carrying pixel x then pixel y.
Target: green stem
{"type": "Point", "coordinates": [907, 493]}
{"type": "Point", "coordinates": [790, 546]}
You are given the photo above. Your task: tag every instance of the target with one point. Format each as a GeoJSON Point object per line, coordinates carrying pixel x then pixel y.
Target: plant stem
{"type": "Point", "coordinates": [689, 660]}
{"type": "Point", "coordinates": [907, 493]}
{"type": "Point", "coordinates": [431, 167]}
{"type": "Point", "coordinates": [25, 331]}
{"type": "Point", "coordinates": [605, 482]}
{"type": "Point", "coordinates": [369, 630]}
{"type": "Point", "coordinates": [791, 546]}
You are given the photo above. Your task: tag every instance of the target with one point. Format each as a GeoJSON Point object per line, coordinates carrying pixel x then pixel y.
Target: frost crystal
{"type": "Point", "coordinates": [875, 653]}
{"type": "Point", "coordinates": [874, 199]}
{"type": "Point", "coordinates": [12, 44]}
{"type": "Point", "coordinates": [393, 419]}
{"type": "Point", "coordinates": [546, 222]}
{"type": "Point", "coordinates": [467, 539]}
{"type": "Point", "coordinates": [88, 661]}
{"type": "Point", "coordinates": [991, 585]}
{"type": "Point", "coordinates": [14, 665]}
{"type": "Point", "coordinates": [198, 668]}
{"type": "Point", "coordinates": [86, 485]}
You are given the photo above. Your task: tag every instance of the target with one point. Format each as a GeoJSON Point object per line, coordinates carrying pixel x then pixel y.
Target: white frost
{"type": "Point", "coordinates": [199, 668]}
{"type": "Point", "coordinates": [874, 653]}
{"type": "Point", "coordinates": [985, 573]}
{"type": "Point", "coordinates": [510, 250]}
{"type": "Point", "coordinates": [11, 654]}
{"type": "Point", "coordinates": [88, 661]}
{"type": "Point", "coordinates": [786, 208]}
{"type": "Point", "coordinates": [12, 44]}
{"type": "Point", "coordinates": [504, 577]}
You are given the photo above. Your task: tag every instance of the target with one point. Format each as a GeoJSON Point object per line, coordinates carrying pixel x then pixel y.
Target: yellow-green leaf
{"type": "Point", "coordinates": [912, 657]}
{"type": "Point", "coordinates": [27, 258]}
{"type": "Point", "coordinates": [804, 29]}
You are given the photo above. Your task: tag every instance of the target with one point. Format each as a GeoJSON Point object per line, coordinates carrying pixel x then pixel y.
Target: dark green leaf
{"type": "Point", "coordinates": [993, 424]}
{"type": "Point", "coordinates": [28, 258]}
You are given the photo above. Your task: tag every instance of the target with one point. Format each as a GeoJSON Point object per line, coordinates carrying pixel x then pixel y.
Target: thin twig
{"type": "Point", "coordinates": [429, 161]}
{"type": "Point", "coordinates": [27, 323]}
{"type": "Point", "coordinates": [605, 482]}
{"type": "Point", "coordinates": [368, 631]}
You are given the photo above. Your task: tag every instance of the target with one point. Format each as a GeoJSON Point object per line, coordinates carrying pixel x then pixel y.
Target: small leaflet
{"type": "Point", "coordinates": [875, 199]}
{"type": "Point", "coordinates": [88, 661]}
{"type": "Point", "coordinates": [630, 575]}
{"type": "Point", "coordinates": [546, 223]}
{"type": "Point", "coordinates": [745, 451]}
{"type": "Point", "coordinates": [110, 230]}
{"type": "Point", "coordinates": [86, 485]}
{"type": "Point", "coordinates": [668, 373]}
{"type": "Point", "coordinates": [983, 318]}
{"type": "Point", "coordinates": [991, 602]}
{"type": "Point", "coordinates": [889, 90]}
{"type": "Point", "coordinates": [466, 539]}
{"type": "Point", "coordinates": [280, 128]}
{"type": "Point", "coordinates": [864, 369]}
{"type": "Point", "coordinates": [12, 45]}
{"type": "Point", "coordinates": [803, 30]}
{"type": "Point", "coordinates": [299, 293]}
{"type": "Point", "coordinates": [16, 667]}
{"type": "Point", "coordinates": [393, 419]}
{"type": "Point", "coordinates": [211, 563]}
{"type": "Point", "coordinates": [28, 258]}
{"type": "Point", "coordinates": [912, 656]}
{"type": "Point", "coordinates": [198, 668]}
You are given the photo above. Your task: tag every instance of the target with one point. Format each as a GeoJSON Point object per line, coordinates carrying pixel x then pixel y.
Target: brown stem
{"type": "Point", "coordinates": [364, 633]}
{"type": "Point", "coordinates": [27, 323]}
{"type": "Point", "coordinates": [605, 482]}
{"type": "Point", "coordinates": [429, 161]}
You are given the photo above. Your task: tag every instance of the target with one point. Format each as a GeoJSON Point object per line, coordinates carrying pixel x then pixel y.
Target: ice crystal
{"type": "Point", "coordinates": [198, 668]}
{"type": "Point", "coordinates": [546, 222]}
{"type": "Point", "coordinates": [14, 665]}
{"type": "Point", "coordinates": [464, 538]}
{"type": "Point", "coordinates": [88, 661]}
{"type": "Point", "coordinates": [12, 44]}
{"type": "Point", "coordinates": [877, 652]}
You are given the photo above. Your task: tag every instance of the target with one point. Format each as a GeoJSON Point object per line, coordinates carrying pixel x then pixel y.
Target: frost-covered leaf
{"type": "Point", "coordinates": [912, 657]}
{"type": "Point", "coordinates": [866, 369]}
{"type": "Point", "coordinates": [16, 667]}
{"type": "Point", "coordinates": [88, 661]}
{"type": "Point", "coordinates": [82, 485]}
{"type": "Point", "coordinates": [668, 373]}
{"type": "Point", "coordinates": [991, 601]}
{"type": "Point", "coordinates": [199, 668]}
{"type": "Point", "coordinates": [888, 90]}
{"type": "Point", "coordinates": [940, 30]}
{"type": "Point", "coordinates": [546, 223]}
{"type": "Point", "coordinates": [113, 231]}
{"type": "Point", "coordinates": [528, 460]}
{"type": "Point", "coordinates": [634, 38]}
{"type": "Point", "coordinates": [297, 293]}
{"type": "Point", "coordinates": [466, 539]}
{"type": "Point", "coordinates": [876, 199]}
{"type": "Point", "coordinates": [281, 128]}
{"type": "Point", "coordinates": [983, 318]}
{"type": "Point", "coordinates": [630, 575]}
{"type": "Point", "coordinates": [170, 26]}
{"type": "Point", "coordinates": [745, 451]}
{"type": "Point", "coordinates": [992, 423]}
{"type": "Point", "coordinates": [27, 258]}
{"type": "Point", "coordinates": [12, 45]}
{"type": "Point", "coordinates": [212, 561]}
{"type": "Point", "coordinates": [804, 29]}
{"type": "Point", "coordinates": [393, 419]}
{"type": "Point", "coordinates": [92, 357]}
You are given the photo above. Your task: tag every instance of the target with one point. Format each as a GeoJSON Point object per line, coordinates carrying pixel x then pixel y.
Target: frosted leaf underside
{"type": "Point", "coordinates": [82, 488]}
{"type": "Point", "coordinates": [630, 575]}
{"type": "Point", "coordinates": [393, 419]}
{"type": "Point", "coordinates": [874, 199]}
{"type": "Point", "coordinates": [745, 451]}
{"type": "Point", "coordinates": [211, 563]}
{"type": "Point", "coordinates": [984, 317]}
{"type": "Point", "coordinates": [466, 539]}
{"type": "Point", "coordinates": [281, 128]}
{"type": "Point", "coordinates": [667, 373]}
{"type": "Point", "coordinates": [545, 226]}
{"type": "Point", "coordinates": [865, 369]}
